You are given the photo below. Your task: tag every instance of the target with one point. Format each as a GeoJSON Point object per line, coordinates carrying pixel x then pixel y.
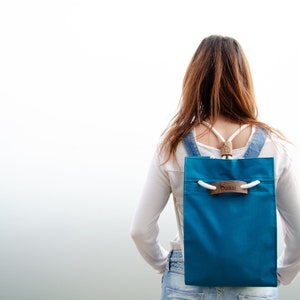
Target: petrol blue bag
{"type": "Point", "coordinates": [229, 213]}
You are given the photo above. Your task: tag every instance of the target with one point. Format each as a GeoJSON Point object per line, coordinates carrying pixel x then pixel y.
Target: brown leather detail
{"type": "Point", "coordinates": [229, 186]}
{"type": "Point", "coordinates": [226, 149]}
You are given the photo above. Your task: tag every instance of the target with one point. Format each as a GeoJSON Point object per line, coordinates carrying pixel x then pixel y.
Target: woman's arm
{"type": "Point", "coordinates": [288, 204]}
{"type": "Point", "coordinates": [144, 227]}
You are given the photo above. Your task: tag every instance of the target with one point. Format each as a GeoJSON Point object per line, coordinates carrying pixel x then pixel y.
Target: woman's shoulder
{"type": "Point", "coordinates": [171, 163]}
{"type": "Point", "coordinates": [283, 150]}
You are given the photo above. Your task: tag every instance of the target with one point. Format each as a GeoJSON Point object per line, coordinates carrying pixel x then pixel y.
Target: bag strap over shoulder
{"type": "Point", "coordinates": [256, 143]}
{"type": "Point", "coordinates": [226, 148]}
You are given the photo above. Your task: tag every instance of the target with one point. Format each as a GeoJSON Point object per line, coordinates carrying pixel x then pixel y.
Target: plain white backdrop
{"type": "Point", "coordinates": [86, 88]}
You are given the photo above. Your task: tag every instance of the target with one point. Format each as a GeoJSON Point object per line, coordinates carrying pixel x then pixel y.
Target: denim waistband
{"type": "Point", "coordinates": [175, 262]}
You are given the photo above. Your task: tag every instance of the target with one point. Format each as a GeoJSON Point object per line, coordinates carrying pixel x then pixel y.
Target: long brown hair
{"type": "Point", "coordinates": [217, 82]}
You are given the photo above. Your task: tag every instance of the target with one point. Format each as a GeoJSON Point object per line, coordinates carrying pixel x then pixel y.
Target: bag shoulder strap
{"type": "Point", "coordinates": [230, 139]}
{"type": "Point", "coordinates": [256, 143]}
{"type": "Point", "coordinates": [226, 148]}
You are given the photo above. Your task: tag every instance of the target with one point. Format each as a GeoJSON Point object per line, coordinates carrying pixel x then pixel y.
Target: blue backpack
{"type": "Point", "coordinates": [229, 216]}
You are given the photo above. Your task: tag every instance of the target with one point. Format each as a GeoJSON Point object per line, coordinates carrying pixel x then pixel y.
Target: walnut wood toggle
{"type": "Point", "coordinates": [230, 186]}
{"type": "Point", "coordinates": [226, 149]}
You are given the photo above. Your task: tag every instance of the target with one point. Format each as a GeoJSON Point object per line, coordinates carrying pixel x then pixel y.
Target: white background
{"type": "Point", "coordinates": [86, 88]}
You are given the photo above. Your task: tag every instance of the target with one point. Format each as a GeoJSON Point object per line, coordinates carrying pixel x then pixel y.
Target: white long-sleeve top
{"type": "Point", "coordinates": [166, 179]}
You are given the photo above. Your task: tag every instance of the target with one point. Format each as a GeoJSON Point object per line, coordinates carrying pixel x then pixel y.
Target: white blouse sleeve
{"type": "Point", "coordinates": [288, 204]}
{"type": "Point", "coordinates": [144, 228]}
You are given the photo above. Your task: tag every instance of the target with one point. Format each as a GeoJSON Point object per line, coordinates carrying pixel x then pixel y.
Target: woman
{"type": "Point", "coordinates": [217, 93]}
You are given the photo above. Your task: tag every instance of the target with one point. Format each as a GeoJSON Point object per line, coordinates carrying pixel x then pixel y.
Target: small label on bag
{"type": "Point", "coordinates": [230, 186]}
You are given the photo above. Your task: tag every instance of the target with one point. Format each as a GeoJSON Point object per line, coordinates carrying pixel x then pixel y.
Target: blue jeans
{"type": "Point", "coordinates": [173, 286]}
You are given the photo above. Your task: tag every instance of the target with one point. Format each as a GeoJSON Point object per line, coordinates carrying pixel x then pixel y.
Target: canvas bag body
{"type": "Point", "coordinates": [230, 239]}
